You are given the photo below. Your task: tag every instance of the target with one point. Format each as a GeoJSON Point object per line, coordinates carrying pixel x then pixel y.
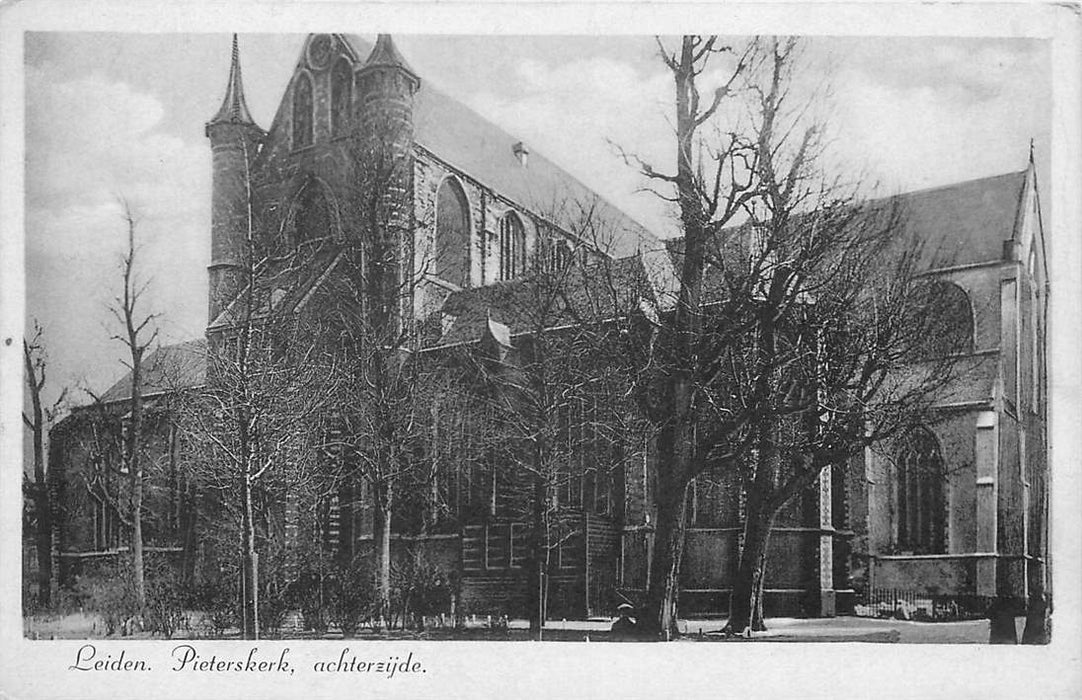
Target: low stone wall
{"type": "Point", "coordinates": [941, 575]}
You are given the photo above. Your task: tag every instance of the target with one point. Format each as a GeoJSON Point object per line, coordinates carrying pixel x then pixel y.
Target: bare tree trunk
{"type": "Point", "coordinates": [535, 581]}
{"type": "Point", "coordinates": [44, 540]}
{"type": "Point", "coordinates": [137, 342]}
{"type": "Point", "coordinates": [135, 474]}
{"type": "Point", "coordinates": [42, 502]}
{"type": "Point", "coordinates": [661, 612]}
{"type": "Point", "coordinates": [383, 557]}
{"type": "Point", "coordinates": [662, 596]}
{"type": "Point", "coordinates": [250, 563]}
{"type": "Point", "coordinates": [746, 599]}
{"type": "Point", "coordinates": [676, 441]}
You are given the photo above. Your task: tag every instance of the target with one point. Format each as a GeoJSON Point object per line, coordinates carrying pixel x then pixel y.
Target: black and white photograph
{"type": "Point", "coordinates": [338, 347]}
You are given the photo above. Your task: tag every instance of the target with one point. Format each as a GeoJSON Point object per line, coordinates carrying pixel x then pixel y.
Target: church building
{"type": "Point", "coordinates": [956, 511]}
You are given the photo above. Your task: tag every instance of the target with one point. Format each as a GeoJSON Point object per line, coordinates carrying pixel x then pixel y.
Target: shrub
{"type": "Point", "coordinates": [165, 612]}
{"type": "Point", "coordinates": [419, 589]}
{"type": "Point", "coordinates": [110, 596]}
{"type": "Point", "coordinates": [274, 604]}
{"type": "Point", "coordinates": [309, 595]}
{"type": "Point", "coordinates": [219, 602]}
{"type": "Point", "coordinates": [166, 599]}
{"type": "Point", "coordinates": [351, 596]}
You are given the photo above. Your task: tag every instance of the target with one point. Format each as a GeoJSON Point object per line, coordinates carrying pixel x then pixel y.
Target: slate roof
{"type": "Point", "coordinates": [967, 222]}
{"type": "Point", "coordinates": [170, 367]}
{"type": "Point", "coordinates": [585, 294]}
{"type": "Point", "coordinates": [483, 150]}
{"type": "Point", "coordinates": [961, 224]}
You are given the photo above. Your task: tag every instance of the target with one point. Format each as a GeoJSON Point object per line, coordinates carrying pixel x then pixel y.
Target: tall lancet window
{"type": "Point", "coordinates": [341, 91]}
{"type": "Point", "coordinates": [302, 112]}
{"type": "Point", "coordinates": [452, 250]}
{"type": "Point", "coordinates": [921, 503]}
{"type": "Point", "coordinates": [561, 255]}
{"type": "Point", "coordinates": [512, 247]}
{"type": "Point", "coordinates": [313, 217]}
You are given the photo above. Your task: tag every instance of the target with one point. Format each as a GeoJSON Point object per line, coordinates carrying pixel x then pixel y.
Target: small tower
{"type": "Point", "coordinates": [234, 142]}
{"type": "Point", "coordinates": [384, 103]}
{"type": "Point", "coordinates": [385, 88]}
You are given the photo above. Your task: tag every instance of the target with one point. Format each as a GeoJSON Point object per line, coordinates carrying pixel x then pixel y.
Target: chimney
{"type": "Point", "coordinates": [521, 152]}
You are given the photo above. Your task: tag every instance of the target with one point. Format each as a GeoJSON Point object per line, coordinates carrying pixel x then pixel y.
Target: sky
{"type": "Point", "coordinates": [121, 116]}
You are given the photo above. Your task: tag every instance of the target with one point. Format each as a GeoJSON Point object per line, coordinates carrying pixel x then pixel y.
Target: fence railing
{"type": "Point", "coordinates": [908, 604]}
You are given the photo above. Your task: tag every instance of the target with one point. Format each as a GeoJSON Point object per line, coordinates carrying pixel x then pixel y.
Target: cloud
{"type": "Point", "coordinates": [959, 113]}
{"type": "Point", "coordinates": [90, 141]}
{"type": "Point", "coordinates": [576, 111]}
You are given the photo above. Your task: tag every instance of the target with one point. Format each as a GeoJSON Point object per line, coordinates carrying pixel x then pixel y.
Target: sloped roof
{"type": "Point", "coordinates": [294, 284]}
{"type": "Point", "coordinates": [961, 224]}
{"type": "Point", "coordinates": [483, 150]}
{"type": "Point", "coordinates": [964, 223]}
{"type": "Point", "coordinates": [584, 294]}
{"type": "Point", "coordinates": [169, 368]}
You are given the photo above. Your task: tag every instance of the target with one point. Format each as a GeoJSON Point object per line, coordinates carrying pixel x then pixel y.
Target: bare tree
{"type": "Point", "coordinates": [250, 430]}
{"type": "Point", "coordinates": [784, 349]}
{"type": "Point", "coordinates": [137, 335]}
{"type": "Point", "coordinates": [384, 393]}
{"type": "Point", "coordinates": [677, 377]}
{"type": "Point", "coordinates": [37, 421]}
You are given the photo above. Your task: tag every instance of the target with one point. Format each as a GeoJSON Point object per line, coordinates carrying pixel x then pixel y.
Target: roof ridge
{"type": "Point", "coordinates": [949, 186]}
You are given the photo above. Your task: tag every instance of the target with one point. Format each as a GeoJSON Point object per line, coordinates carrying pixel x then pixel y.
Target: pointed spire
{"type": "Point", "coordinates": [385, 54]}
{"type": "Point", "coordinates": [1031, 150]}
{"type": "Point", "coordinates": [234, 108]}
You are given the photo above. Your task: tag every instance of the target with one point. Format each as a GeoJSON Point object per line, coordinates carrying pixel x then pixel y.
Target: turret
{"type": "Point", "coordinates": [384, 103]}
{"type": "Point", "coordinates": [385, 88]}
{"type": "Point", "coordinates": [234, 141]}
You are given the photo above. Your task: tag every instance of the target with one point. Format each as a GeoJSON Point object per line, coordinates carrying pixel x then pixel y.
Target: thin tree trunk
{"type": "Point", "coordinates": [135, 474]}
{"type": "Point", "coordinates": [44, 538]}
{"type": "Point", "coordinates": [251, 567]}
{"type": "Point", "coordinates": [42, 502]}
{"type": "Point", "coordinates": [535, 581]}
{"type": "Point", "coordinates": [383, 558]}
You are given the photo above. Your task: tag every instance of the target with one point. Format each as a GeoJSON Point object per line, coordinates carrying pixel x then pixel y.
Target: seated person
{"type": "Point", "coordinates": [625, 628]}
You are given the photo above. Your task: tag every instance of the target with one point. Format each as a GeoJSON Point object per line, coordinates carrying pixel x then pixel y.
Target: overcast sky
{"type": "Point", "coordinates": [112, 115]}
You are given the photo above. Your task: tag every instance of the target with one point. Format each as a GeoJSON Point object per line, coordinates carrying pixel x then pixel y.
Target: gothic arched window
{"type": "Point", "coordinates": [341, 91]}
{"type": "Point", "coordinates": [512, 247]}
{"type": "Point", "coordinates": [313, 217]}
{"type": "Point", "coordinates": [943, 320]}
{"type": "Point", "coordinates": [921, 502]}
{"type": "Point", "coordinates": [302, 112]}
{"type": "Point", "coordinates": [452, 250]}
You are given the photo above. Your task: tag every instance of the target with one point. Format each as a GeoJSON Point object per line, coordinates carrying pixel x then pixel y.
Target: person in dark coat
{"type": "Point", "coordinates": [625, 628]}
